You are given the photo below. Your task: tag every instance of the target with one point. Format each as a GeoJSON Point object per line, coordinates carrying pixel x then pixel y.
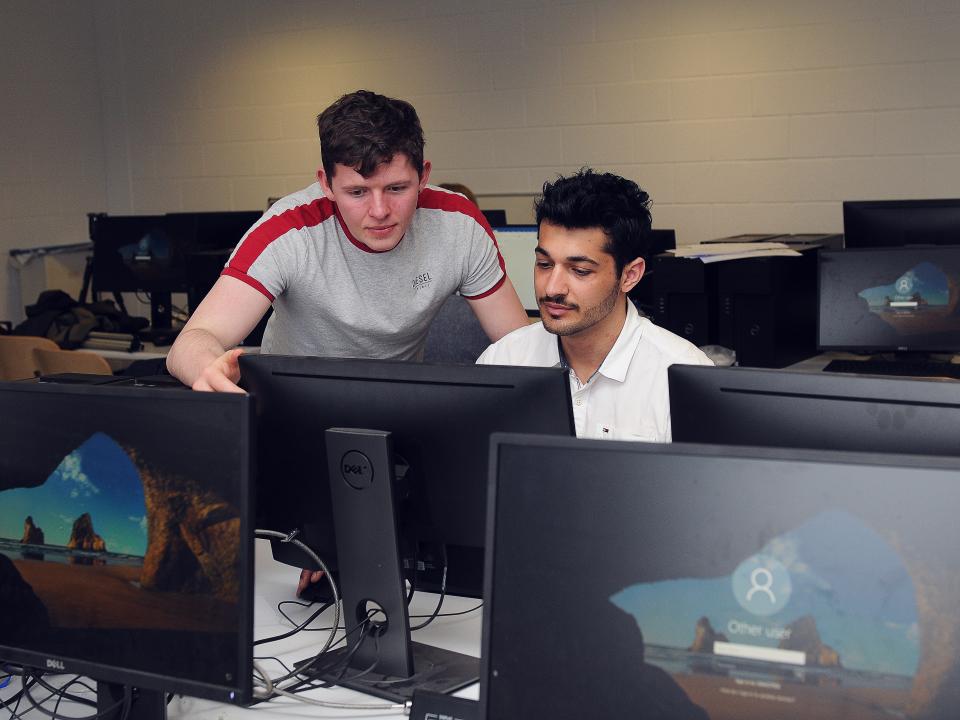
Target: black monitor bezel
{"type": "Point", "coordinates": [242, 691]}
{"type": "Point", "coordinates": [789, 456]}
{"type": "Point", "coordinates": [855, 210]}
{"type": "Point", "coordinates": [822, 255]}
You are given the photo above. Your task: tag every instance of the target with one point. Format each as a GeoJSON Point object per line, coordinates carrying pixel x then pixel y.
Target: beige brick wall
{"type": "Point", "coordinates": [737, 116]}
{"type": "Point", "coordinates": [52, 168]}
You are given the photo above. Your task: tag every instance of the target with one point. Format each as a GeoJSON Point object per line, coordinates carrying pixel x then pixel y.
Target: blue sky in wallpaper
{"type": "Point", "coordinates": [926, 279]}
{"type": "Point", "coordinates": [841, 573]}
{"type": "Point", "coordinates": [98, 478]}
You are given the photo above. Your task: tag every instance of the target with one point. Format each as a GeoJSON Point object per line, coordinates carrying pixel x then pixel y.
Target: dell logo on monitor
{"type": "Point", "coordinates": [55, 664]}
{"type": "Point", "coordinates": [356, 470]}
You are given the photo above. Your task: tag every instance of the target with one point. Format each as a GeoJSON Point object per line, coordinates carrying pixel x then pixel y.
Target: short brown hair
{"type": "Point", "coordinates": [363, 129]}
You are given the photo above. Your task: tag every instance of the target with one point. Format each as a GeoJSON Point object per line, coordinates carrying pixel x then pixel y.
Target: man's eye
{"type": "Point", "coordinates": [543, 265]}
{"type": "Point", "coordinates": [581, 272]}
{"type": "Point", "coordinates": [397, 188]}
{"type": "Point", "coordinates": [355, 193]}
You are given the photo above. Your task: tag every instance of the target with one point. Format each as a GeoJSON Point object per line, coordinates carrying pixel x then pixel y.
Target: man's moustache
{"type": "Point", "coordinates": [557, 300]}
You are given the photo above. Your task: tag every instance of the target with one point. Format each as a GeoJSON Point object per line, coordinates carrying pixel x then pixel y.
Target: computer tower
{"type": "Point", "coordinates": [684, 297]}
{"type": "Point", "coordinates": [643, 294]}
{"type": "Point", "coordinates": [768, 308]}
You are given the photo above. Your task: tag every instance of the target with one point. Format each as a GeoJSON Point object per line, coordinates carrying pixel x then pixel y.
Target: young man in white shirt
{"type": "Point", "coordinates": [593, 234]}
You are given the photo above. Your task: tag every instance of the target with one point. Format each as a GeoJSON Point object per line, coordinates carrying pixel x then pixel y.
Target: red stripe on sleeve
{"type": "Point", "coordinates": [491, 291]}
{"type": "Point", "coordinates": [431, 199]}
{"type": "Point", "coordinates": [258, 239]}
{"type": "Point", "coordinates": [230, 272]}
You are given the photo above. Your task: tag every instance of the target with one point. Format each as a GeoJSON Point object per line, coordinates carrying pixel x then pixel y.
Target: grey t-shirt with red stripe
{"type": "Point", "coordinates": [334, 296]}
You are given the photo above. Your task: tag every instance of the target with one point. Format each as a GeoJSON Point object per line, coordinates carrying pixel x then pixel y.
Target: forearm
{"type": "Point", "coordinates": [193, 351]}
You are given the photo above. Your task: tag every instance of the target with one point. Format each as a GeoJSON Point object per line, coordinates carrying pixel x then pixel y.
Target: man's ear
{"type": "Point", "coordinates": [632, 272]}
{"type": "Point", "coordinates": [425, 175]}
{"type": "Point", "coordinates": [325, 183]}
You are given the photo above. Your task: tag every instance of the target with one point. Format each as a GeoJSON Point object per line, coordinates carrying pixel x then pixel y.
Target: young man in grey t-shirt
{"type": "Point", "coordinates": [358, 263]}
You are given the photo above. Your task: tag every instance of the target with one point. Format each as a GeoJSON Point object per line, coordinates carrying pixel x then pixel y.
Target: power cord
{"type": "Point", "coordinates": [298, 628]}
{"type": "Point", "coordinates": [125, 702]}
{"type": "Point", "coordinates": [443, 594]}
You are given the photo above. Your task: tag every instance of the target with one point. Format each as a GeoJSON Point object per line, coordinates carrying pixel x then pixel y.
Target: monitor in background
{"type": "Point", "coordinates": [140, 253]}
{"type": "Point", "coordinates": [212, 236]}
{"type": "Point", "coordinates": [440, 418]}
{"type": "Point", "coordinates": [779, 408]}
{"type": "Point", "coordinates": [517, 243]}
{"type": "Point", "coordinates": [886, 223]}
{"type": "Point", "coordinates": [164, 254]}
{"type": "Point", "coordinates": [890, 300]}
{"type": "Point", "coordinates": [719, 583]}
{"type": "Point", "coordinates": [125, 542]}
{"type": "Point", "coordinates": [496, 218]}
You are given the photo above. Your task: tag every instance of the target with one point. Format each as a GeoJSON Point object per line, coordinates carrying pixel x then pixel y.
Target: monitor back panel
{"type": "Point", "coordinates": [631, 580]}
{"type": "Point", "coordinates": [125, 544]}
{"type": "Point", "coordinates": [889, 223]}
{"type": "Point", "coordinates": [824, 411]}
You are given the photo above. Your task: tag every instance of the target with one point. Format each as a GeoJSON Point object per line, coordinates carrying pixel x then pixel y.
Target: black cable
{"type": "Point", "coordinates": [367, 671]}
{"type": "Point", "coordinates": [298, 628]}
{"type": "Point", "coordinates": [452, 614]}
{"type": "Point", "coordinates": [125, 702]}
{"type": "Point", "coordinates": [416, 569]}
{"type": "Point", "coordinates": [281, 663]}
{"type": "Point", "coordinates": [65, 695]}
{"type": "Point", "coordinates": [443, 593]}
{"type": "Point", "coordinates": [25, 682]}
{"type": "Point", "coordinates": [292, 621]}
{"type": "Point", "coordinates": [310, 683]}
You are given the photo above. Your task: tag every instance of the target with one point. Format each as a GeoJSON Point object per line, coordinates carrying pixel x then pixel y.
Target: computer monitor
{"type": "Point", "coordinates": [440, 418]}
{"type": "Point", "coordinates": [164, 254]}
{"type": "Point", "coordinates": [496, 218]}
{"type": "Point", "coordinates": [671, 581]}
{"type": "Point", "coordinates": [890, 299]}
{"type": "Point", "coordinates": [212, 236]}
{"type": "Point", "coordinates": [885, 223]}
{"type": "Point", "coordinates": [780, 408]}
{"type": "Point", "coordinates": [125, 541]}
{"type": "Point", "coordinates": [516, 244]}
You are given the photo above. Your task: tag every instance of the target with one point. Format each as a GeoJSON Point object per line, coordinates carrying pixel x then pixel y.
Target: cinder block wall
{"type": "Point", "coordinates": [51, 141]}
{"type": "Point", "coordinates": [749, 115]}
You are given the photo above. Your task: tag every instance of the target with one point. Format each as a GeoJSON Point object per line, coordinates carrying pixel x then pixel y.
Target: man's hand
{"type": "Point", "coordinates": [308, 578]}
{"type": "Point", "coordinates": [222, 375]}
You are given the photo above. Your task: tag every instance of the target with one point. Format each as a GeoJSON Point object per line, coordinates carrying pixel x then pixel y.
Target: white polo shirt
{"type": "Point", "coordinates": [628, 397]}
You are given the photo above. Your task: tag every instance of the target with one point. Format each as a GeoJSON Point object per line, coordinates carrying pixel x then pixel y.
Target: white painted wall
{"type": "Point", "coordinates": [746, 115]}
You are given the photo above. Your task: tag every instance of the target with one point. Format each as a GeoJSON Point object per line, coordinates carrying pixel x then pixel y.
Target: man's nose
{"type": "Point", "coordinates": [379, 207]}
{"type": "Point", "coordinates": [556, 283]}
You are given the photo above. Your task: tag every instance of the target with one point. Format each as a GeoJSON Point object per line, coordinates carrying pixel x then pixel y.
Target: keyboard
{"type": "Point", "coordinates": [901, 368]}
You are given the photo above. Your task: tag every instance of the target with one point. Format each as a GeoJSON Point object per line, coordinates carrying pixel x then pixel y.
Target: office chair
{"type": "Point", "coordinates": [53, 362]}
{"type": "Point", "coordinates": [455, 336]}
{"type": "Point", "coordinates": [17, 361]}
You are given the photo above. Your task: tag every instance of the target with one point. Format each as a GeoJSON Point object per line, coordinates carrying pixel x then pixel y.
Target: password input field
{"type": "Point", "coordinates": [759, 652]}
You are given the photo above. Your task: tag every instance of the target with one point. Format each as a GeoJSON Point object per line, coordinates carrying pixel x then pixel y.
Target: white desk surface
{"type": "Point", "coordinates": [276, 582]}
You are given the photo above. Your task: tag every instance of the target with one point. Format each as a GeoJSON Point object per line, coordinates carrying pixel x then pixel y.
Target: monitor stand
{"type": "Point", "coordinates": [145, 704]}
{"type": "Point", "coordinates": [362, 485]}
{"type": "Point", "coordinates": [161, 310]}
